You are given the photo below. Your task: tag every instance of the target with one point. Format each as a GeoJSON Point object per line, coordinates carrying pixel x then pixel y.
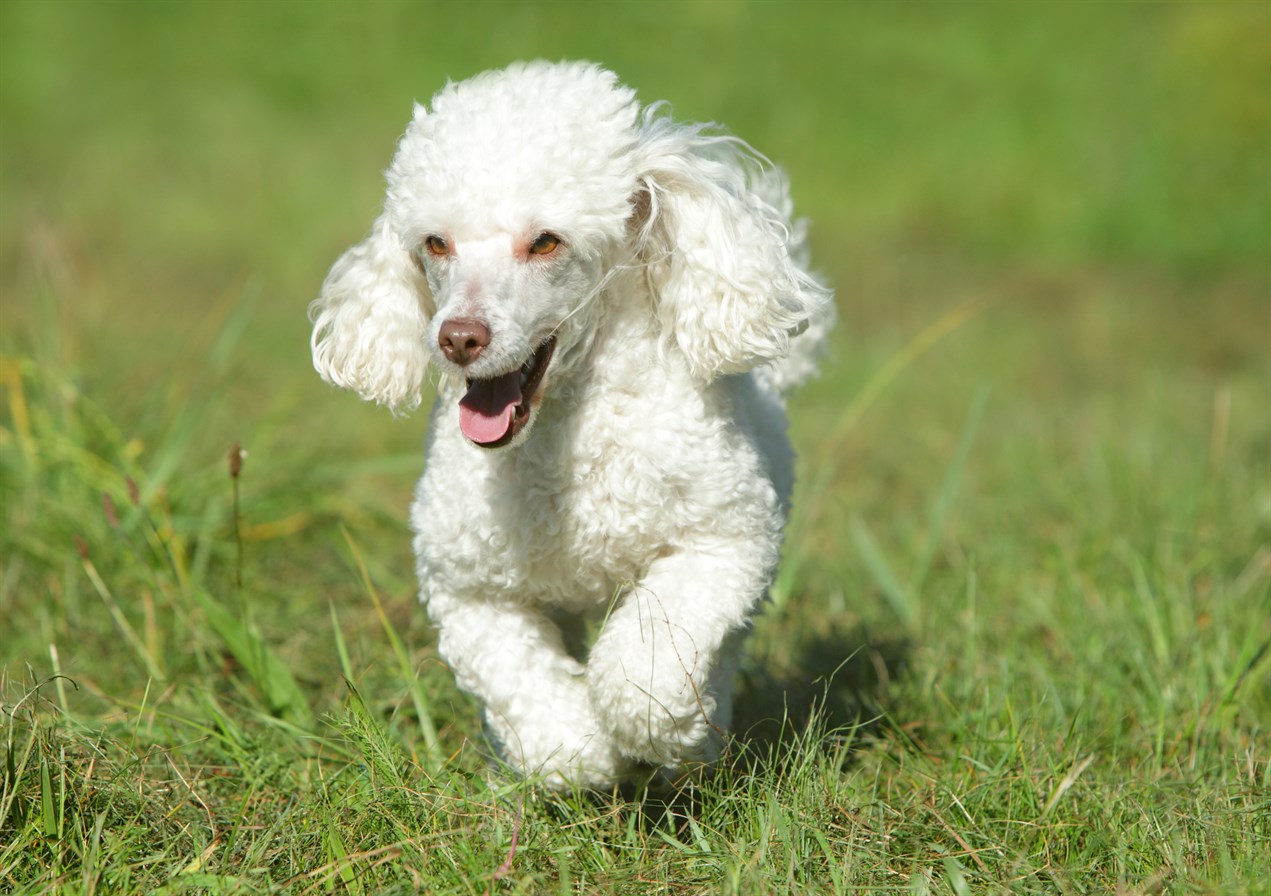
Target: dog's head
{"type": "Point", "coordinates": [505, 202]}
{"type": "Point", "coordinates": [509, 203]}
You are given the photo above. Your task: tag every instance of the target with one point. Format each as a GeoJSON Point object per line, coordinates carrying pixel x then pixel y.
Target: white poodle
{"type": "Point", "coordinates": [612, 301]}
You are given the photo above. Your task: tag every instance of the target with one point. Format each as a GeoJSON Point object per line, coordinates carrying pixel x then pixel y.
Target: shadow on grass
{"type": "Point", "coordinates": [831, 702]}
{"type": "Point", "coordinates": [839, 686]}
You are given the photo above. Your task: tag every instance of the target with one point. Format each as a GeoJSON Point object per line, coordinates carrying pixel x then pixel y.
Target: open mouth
{"type": "Point", "coordinates": [495, 409]}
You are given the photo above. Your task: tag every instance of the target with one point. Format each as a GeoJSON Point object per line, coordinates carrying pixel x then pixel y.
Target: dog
{"type": "Point", "coordinates": [612, 304]}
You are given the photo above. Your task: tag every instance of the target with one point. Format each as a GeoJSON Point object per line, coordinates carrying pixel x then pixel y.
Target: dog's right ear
{"type": "Point", "coordinates": [370, 322]}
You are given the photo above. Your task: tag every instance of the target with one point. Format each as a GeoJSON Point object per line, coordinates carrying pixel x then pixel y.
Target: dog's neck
{"type": "Point", "coordinates": [613, 340]}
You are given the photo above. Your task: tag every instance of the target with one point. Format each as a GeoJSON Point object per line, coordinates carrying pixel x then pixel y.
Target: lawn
{"type": "Point", "coordinates": [1020, 640]}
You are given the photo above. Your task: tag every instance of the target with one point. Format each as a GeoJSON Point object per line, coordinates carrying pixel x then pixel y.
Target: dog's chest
{"type": "Point", "coordinates": [564, 519]}
{"type": "Point", "coordinates": [599, 492]}
{"type": "Point", "coordinates": [591, 516]}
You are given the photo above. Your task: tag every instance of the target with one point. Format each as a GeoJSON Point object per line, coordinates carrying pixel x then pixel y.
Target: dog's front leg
{"type": "Point", "coordinates": [535, 694]}
{"type": "Point", "coordinates": [660, 673]}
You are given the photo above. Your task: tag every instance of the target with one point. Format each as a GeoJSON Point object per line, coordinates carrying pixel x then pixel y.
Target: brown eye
{"type": "Point", "coordinates": [436, 246]}
{"type": "Point", "coordinates": [545, 244]}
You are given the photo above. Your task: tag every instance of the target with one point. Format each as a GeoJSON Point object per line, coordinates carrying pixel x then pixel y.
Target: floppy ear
{"type": "Point", "coordinates": [724, 261]}
{"type": "Point", "coordinates": [370, 322]}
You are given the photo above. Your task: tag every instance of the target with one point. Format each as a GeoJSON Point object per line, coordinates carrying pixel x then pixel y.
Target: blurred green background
{"type": "Point", "coordinates": [160, 157]}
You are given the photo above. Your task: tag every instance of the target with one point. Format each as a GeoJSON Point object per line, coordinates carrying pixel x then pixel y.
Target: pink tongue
{"type": "Point", "coordinates": [485, 413]}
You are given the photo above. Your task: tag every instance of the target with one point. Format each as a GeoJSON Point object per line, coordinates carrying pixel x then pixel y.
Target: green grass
{"type": "Point", "coordinates": [1020, 642]}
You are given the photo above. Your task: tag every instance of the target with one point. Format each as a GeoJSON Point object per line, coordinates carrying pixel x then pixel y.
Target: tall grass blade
{"type": "Point", "coordinates": [825, 466]}
{"type": "Point", "coordinates": [341, 649]}
{"type": "Point", "coordinates": [943, 502]}
{"type": "Point", "coordinates": [422, 709]}
{"type": "Point", "coordinates": [957, 876]}
{"type": "Point", "coordinates": [1063, 786]}
{"type": "Point", "coordinates": [928, 338]}
{"type": "Point", "coordinates": [269, 673]}
{"type": "Point", "coordinates": [48, 817]}
{"type": "Point", "coordinates": [896, 595]}
{"type": "Point", "coordinates": [121, 621]}
{"type": "Point", "coordinates": [340, 859]}
{"type": "Point", "coordinates": [381, 754]}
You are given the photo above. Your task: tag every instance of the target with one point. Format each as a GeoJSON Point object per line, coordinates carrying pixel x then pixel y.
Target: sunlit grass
{"type": "Point", "coordinates": [1020, 641]}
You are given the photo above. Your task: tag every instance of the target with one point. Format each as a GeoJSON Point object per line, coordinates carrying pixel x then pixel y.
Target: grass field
{"type": "Point", "coordinates": [1020, 639]}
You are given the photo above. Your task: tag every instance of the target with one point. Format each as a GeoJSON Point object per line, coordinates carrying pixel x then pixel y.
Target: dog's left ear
{"type": "Point", "coordinates": [726, 263]}
{"type": "Point", "coordinates": [370, 322]}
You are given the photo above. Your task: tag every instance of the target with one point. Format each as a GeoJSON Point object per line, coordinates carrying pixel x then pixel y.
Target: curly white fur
{"type": "Point", "coordinates": [644, 484]}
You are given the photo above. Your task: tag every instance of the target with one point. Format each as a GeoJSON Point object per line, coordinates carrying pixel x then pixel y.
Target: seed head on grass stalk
{"type": "Point", "coordinates": [236, 457]}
